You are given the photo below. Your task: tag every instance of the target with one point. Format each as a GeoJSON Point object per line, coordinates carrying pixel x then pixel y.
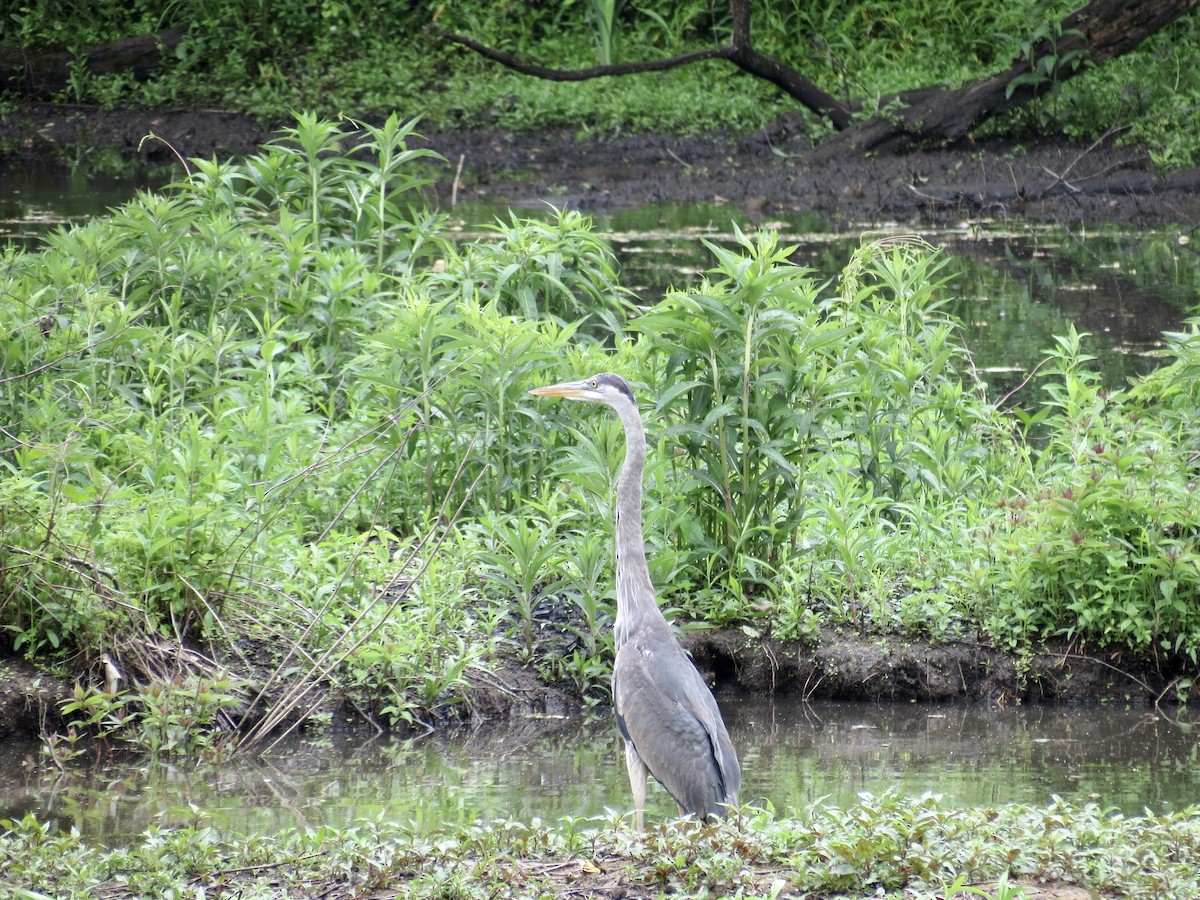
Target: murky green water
{"type": "Point", "coordinates": [35, 198]}
{"type": "Point", "coordinates": [793, 756]}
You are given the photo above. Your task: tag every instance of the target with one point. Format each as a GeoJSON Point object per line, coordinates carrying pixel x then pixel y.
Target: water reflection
{"type": "Point", "coordinates": [792, 756]}
{"type": "Point", "coordinates": [1120, 757]}
{"type": "Point", "coordinates": [37, 196]}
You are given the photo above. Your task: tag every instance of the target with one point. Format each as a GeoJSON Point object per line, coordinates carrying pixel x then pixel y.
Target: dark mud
{"type": "Point", "coordinates": [840, 665]}
{"type": "Point", "coordinates": [764, 173]}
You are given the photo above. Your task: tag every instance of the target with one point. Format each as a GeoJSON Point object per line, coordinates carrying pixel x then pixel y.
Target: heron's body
{"type": "Point", "coordinates": [666, 714]}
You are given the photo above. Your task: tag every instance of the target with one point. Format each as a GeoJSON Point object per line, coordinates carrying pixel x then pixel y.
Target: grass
{"type": "Point", "coordinates": [882, 847]}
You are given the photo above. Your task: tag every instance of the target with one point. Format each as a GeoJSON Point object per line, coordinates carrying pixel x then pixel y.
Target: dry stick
{"type": "Point", "coordinates": [550, 74]}
{"type": "Point", "coordinates": [323, 667]}
{"type": "Point", "coordinates": [462, 157]}
{"type": "Point", "coordinates": [299, 692]}
{"type": "Point", "coordinates": [86, 348]}
{"type": "Point", "coordinates": [368, 719]}
{"type": "Point", "coordinates": [675, 156]}
{"type": "Point", "coordinates": [222, 714]}
{"type": "Point", "coordinates": [271, 865]}
{"type": "Point", "coordinates": [1058, 179]}
{"type": "Point", "coordinates": [1138, 681]}
{"type": "Point", "coordinates": [357, 492]}
{"type": "Point", "coordinates": [296, 483]}
{"type": "Point", "coordinates": [1067, 171]}
{"type": "Point", "coordinates": [295, 645]}
{"type": "Point", "coordinates": [1028, 378]}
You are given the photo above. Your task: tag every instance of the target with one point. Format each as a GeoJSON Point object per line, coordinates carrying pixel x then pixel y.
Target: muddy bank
{"type": "Point", "coordinates": [847, 666]}
{"type": "Point", "coordinates": [841, 666]}
{"type": "Point", "coordinates": [765, 173]}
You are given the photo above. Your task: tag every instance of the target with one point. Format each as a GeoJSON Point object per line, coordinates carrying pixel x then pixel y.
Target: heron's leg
{"type": "Point", "coordinates": [638, 773]}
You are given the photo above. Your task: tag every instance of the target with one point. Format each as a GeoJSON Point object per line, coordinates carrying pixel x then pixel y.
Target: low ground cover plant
{"type": "Point", "coordinates": [881, 847]}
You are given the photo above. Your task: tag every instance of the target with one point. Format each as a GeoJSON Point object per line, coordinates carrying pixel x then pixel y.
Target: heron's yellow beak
{"type": "Point", "coordinates": [572, 390]}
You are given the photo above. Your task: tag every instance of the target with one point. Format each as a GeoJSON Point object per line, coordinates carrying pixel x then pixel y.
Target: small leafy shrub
{"type": "Point", "coordinates": [557, 268]}
{"type": "Point", "coordinates": [1104, 549]}
{"type": "Point", "coordinates": [181, 716]}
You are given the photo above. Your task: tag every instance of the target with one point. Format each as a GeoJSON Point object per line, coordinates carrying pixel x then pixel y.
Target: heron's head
{"type": "Point", "coordinates": [611, 390]}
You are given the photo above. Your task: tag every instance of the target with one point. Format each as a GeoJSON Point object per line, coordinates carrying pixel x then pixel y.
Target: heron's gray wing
{"type": "Point", "coordinates": [667, 712]}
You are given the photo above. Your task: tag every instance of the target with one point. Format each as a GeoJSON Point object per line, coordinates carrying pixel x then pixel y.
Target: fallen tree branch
{"type": "Point", "coordinates": [739, 51]}
{"type": "Point", "coordinates": [1087, 37]}
{"type": "Point", "coordinates": [528, 68]}
{"type": "Point", "coordinates": [1094, 33]}
{"type": "Point", "coordinates": [43, 73]}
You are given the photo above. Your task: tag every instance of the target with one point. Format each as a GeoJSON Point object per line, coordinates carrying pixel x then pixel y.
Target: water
{"type": "Point", "coordinates": [793, 755]}
{"type": "Point", "coordinates": [38, 197]}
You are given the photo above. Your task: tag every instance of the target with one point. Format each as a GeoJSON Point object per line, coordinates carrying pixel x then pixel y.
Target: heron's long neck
{"type": "Point", "coordinates": [635, 593]}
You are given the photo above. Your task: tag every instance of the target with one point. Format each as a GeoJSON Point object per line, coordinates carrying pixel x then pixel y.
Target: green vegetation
{"type": "Point", "coordinates": [882, 847]}
{"type": "Point", "coordinates": [372, 59]}
{"type": "Point", "coordinates": [278, 414]}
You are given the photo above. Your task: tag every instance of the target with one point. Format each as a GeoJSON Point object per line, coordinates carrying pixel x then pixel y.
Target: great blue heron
{"type": "Point", "coordinates": [665, 712]}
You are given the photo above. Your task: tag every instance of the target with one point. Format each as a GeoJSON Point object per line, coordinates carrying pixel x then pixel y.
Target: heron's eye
{"type": "Point", "coordinates": [592, 383]}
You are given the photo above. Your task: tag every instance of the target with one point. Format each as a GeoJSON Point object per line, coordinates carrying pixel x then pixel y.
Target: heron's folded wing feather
{"type": "Point", "coordinates": [667, 712]}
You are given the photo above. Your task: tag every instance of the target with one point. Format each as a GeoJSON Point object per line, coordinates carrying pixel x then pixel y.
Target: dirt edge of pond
{"type": "Point", "coordinates": [765, 173]}
{"type": "Point", "coordinates": [842, 665]}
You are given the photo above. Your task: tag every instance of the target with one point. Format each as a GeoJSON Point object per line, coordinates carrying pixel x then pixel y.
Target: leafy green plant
{"type": "Point", "coordinates": [826, 439]}
{"type": "Point", "coordinates": [560, 269]}
{"type": "Point", "coordinates": [199, 434]}
{"type": "Point", "coordinates": [182, 716]}
{"type": "Point", "coordinates": [1103, 551]}
{"type": "Point", "coordinates": [1046, 67]}
{"type": "Point", "coordinates": [525, 561]}
{"type": "Point", "coordinates": [735, 352]}
{"type": "Point", "coordinates": [604, 16]}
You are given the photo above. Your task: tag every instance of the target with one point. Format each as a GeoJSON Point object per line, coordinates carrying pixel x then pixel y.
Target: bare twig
{"type": "Point", "coordinates": [462, 157]}
{"type": "Point", "coordinates": [1028, 378]}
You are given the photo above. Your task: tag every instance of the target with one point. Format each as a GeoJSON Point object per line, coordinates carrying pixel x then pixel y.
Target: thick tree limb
{"type": "Point", "coordinates": [42, 73]}
{"type": "Point", "coordinates": [784, 77]}
{"type": "Point", "coordinates": [1093, 34]}
{"type": "Point", "coordinates": [738, 51]}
